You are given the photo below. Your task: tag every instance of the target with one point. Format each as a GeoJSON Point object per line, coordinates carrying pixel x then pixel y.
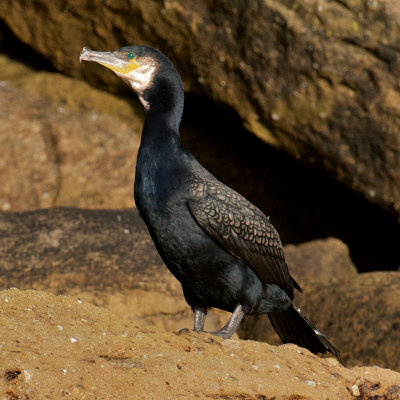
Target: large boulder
{"type": "Point", "coordinates": [61, 346]}
{"type": "Point", "coordinates": [320, 260]}
{"type": "Point", "coordinates": [318, 79]}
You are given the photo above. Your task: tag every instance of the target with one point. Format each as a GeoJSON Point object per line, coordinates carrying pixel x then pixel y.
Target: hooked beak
{"type": "Point", "coordinates": [109, 59]}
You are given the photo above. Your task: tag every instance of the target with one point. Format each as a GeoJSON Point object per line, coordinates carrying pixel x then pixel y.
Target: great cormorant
{"type": "Point", "coordinates": [224, 250]}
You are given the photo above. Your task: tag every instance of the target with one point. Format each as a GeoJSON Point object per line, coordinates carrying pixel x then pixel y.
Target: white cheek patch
{"type": "Point", "coordinates": [142, 78]}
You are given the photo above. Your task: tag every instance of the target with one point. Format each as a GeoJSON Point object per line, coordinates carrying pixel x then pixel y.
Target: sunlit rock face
{"type": "Point", "coordinates": [317, 80]}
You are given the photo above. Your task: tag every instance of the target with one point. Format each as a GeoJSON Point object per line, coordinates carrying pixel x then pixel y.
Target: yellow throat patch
{"type": "Point", "coordinates": [129, 66]}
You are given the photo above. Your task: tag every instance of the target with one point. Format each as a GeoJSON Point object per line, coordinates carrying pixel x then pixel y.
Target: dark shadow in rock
{"type": "Point", "coordinates": [304, 203]}
{"type": "Point", "coordinates": [20, 51]}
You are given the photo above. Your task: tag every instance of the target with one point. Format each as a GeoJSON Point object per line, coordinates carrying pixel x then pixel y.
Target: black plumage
{"type": "Point", "coordinates": [223, 250]}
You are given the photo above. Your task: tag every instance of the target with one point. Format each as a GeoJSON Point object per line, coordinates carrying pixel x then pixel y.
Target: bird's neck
{"type": "Point", "coordinates": [164, 107]}
{"type": "Point", "coordinates": [160, 150]}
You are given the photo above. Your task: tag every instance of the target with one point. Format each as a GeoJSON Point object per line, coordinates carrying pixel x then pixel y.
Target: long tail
{"type": "Point", "coordinates": [293, 326]}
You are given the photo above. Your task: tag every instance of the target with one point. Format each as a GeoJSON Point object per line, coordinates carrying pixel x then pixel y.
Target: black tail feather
{"type": "Point", "coordinates": [293, 326]}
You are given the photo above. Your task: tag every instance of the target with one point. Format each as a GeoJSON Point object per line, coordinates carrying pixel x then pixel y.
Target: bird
{"type": "Point", "coordinates": [225, 251]}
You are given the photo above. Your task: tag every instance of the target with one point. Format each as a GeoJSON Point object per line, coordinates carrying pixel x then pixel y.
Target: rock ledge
{"type": "Point", "coordinates": [61, 346]}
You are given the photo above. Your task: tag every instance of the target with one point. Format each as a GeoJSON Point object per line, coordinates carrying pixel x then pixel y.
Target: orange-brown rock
{"type": "Point", "coordinates": [320, 260]}
{"type": "Point", "coordinates": [60, 346]}
{"type": "Point", "coordinates": [55, 155]}
{"type": "Point", "coordinates": [318, 79]}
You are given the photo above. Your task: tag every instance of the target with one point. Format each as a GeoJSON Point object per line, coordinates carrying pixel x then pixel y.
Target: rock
{"type": "Point", "coordinates": [317, 79]}
{"type": "Point", "coordinates": [106, 257]}
{"type": "Point", "coordinates": [55, 155]}
{"type": "Point", "coordinates": [59, 346]}
{"type": "Point", "coordinates": [95, 170]}
{"type": "Point", "coordinates": [360, 315]}
{"type": "Point", "coordinates": [65, 92]}
{"type": "Point", "coordinates": [28, 168]}
{"type": "Point", "coordinates": [321, 260]}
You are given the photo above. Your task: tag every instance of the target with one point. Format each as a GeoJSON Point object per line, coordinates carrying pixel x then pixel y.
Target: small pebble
{"type": "Point", "coordinates": [27, 375]}
{"type": "Point", "coordinates": [60, 327]}
{"type": "Point", "coordinates": [73, 340]}
{"type": "Point", "coordinates": [275, 117]}
{"type": "Point", "coordinates": [311, 383]}
{"type": "Point", "coordinates": [355, 391]}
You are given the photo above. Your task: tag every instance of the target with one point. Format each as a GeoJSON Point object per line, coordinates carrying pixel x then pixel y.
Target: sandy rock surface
{"type": "Point", "coordinates": [62, 347]}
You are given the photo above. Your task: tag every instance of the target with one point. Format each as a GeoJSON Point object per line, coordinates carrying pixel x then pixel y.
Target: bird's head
{"type": "Point", "coordinates": [148, 72]}
{"type": "Point", "coordinates": [138, 66]}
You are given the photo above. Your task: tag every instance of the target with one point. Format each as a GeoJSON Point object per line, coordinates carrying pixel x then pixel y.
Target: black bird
{"type": "Point", "coordinates": [223, 249]}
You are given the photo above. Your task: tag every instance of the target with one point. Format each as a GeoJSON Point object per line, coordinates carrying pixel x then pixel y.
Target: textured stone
{"type": "Point", "coordinates": [55, 154]}
{"type": "Point", "coordinates": [318, 79]}
{"type": "Point", "coordinates": [320, 260]}
{"type": "Point", "coordinates": [62, 346]}
{"type": "Point", "coordinates": [106, 257]}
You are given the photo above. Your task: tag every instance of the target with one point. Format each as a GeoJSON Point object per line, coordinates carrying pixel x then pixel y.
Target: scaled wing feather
{"type": "Point", "coordinates": [241, 228]}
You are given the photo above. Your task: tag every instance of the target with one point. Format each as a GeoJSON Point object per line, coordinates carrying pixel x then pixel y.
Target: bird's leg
{"type": "Point", "coordinates": [200, 314]}
{"type": "Point", "coordinates": [232, 325]}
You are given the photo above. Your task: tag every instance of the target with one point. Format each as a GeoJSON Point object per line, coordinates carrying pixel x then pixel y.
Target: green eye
{"type": "Point", "coordinates": [131, 55]}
